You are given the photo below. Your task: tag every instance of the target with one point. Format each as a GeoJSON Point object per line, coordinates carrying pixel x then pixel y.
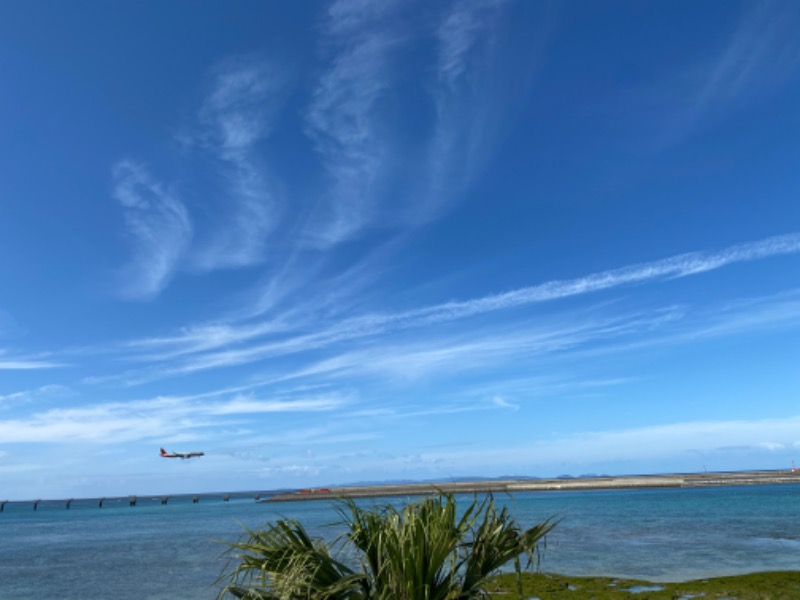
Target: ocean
{"type": "Point", "coordinates": [157, 552]}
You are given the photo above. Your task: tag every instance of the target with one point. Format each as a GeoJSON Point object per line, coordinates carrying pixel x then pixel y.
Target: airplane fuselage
{"type": "Point", "coordinates": [165, 454]}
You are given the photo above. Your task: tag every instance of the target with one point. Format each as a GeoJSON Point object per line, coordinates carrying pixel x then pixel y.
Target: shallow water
{"type": "Point", "coordinates": [155, 552]}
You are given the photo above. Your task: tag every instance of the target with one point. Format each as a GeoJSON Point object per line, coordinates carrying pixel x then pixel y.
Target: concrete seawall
{"type": "Point", "coordinates": [532, 485]}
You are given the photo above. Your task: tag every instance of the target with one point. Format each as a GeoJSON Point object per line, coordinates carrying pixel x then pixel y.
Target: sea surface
{"type": "Point", "coordinates": [156, 552]}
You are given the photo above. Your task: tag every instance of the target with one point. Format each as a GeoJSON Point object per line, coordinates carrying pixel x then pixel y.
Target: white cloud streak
{"type": "Point", "coordinates": [468, 112]}
{"type": "Point", "coordinates": [236, 117]}
{"type": "Point", "coordinates": [10, 362]}
{"type": "Point", "coordinates": [501, 402]}
{"type": "Point", "coordinates": [239, 111]}
{"type": "Point", "coordinates": [754, 61]}
{"type": "Point", "coordinates": [159, 226]}
{"type": "Point", "coordinates": [249, 405]}
{"type": "Point", "coordinates": [762, 52]}
{"type": "Point", "coordinates": [148, 419]}
{"type": "Point", "coordinates": [378, 177]}
{"type": "Point", "coordinates": [683, 265]}
{"type": "Point", "coordinates": [293, 341]}
{"type": "Point", "coordinates": [479, 350]}
{"type": "Point", "coordinates": [458, 35]}
{"type": "Point", "coordinates": [342, 119]}
{"type": "Point", "coordinates": [42, 393]}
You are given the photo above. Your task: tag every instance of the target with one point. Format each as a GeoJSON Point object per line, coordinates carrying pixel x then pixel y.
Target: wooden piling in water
{"type": "Point", "coordinates": [133, 500]}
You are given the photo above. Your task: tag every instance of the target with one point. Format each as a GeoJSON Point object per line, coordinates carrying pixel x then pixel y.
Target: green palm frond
{"type": "Point", "coordinates": [428, 550]}
{"type": "Point", "coordinates": [283, 562]}
{"type": "Point", "coordinates": [496, 541]}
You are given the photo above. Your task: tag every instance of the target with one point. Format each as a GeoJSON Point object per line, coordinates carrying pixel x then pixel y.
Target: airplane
{"type": "Point", "coordinates": [165, 454]}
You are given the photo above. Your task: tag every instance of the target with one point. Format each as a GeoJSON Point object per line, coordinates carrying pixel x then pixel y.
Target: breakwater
{"type": "Point", "coordinates": [532, 485]}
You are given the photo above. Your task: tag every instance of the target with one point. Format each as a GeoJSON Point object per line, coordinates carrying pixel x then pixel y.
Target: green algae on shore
{"type": "Point", "coordinates": [778, 585]}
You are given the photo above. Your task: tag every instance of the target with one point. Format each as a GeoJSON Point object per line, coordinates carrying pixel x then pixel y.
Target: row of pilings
{"type": "Point", "coordinates": [131, 500]}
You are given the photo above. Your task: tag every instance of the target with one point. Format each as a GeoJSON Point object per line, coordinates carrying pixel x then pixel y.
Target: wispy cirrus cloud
{"type": "Point", "coordinates": [22, 364]}
{"type": "Point", "coordinates": [458, 34]}
{"type": "Point", "coordinates": [343, 119]}
{"type": "Point", "coordinates": [44, 392]}
{"type": "Point", "coordinates": [570, 337]}
{"type": "Point", "coordinates": [235, 118]}
{"type": "Point", "coordinates": [543, 344]}
{"type": "Point", "coordinates": [501, 402]}
{"type": "Point", "coordinates": [161, 417]}
{"type": "Point", "coordinates": [251, 405]}
{"type": "Point", "coordinates": [303, 288]}
{"type": "Point", "coordinates": [762, 52]}
{"type": "Point", "coordinates": [158, 225]}
{"type": "Point", "coordinates": [239, 111]}
{"type": "Point", "coordinates": [483, 349]}
{"type": "Point", "coordinates": [221, 348]}
{"type": "Point", "coordinates": [350, 120]}
{"type": "Point", "coordinates": [753, 61]}
{"type": "Point", "coordinates": [469, 110]}
{"type": "Point", "coordinates": [168, 234]}
{"type": "Point", "coordinates": [682, 265]}
{"type": "Point", "coordinates": [14, 362]}
{"type": "Point", "coordinates": [354, 137]}
{"type": "Point", "coordinates": [205, 337]}
{"type": "Point", "coordinates": [297, 297]}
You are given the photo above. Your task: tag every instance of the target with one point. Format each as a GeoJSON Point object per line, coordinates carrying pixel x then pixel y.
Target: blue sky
{"type": "Point", "coordinates": [337, 242]}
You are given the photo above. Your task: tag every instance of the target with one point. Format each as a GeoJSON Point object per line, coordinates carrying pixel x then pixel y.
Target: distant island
{"type": "Point", "coordinates": [474, 485]}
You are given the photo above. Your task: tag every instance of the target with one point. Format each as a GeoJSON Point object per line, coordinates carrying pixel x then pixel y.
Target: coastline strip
{"type": "Point", "coordinates": [533, 485]}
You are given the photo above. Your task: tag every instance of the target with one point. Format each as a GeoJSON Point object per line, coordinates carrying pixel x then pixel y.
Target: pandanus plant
{"type": "Point", "coordinates": [428, 550]}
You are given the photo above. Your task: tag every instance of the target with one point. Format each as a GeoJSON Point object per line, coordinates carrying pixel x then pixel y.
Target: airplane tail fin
{"type": "Point", "coordinates": [163, 452]}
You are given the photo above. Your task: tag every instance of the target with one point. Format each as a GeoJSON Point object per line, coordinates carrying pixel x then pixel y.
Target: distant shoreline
{"type": "Point", "coordinates": [416, 489]}
{"type": "Point", "coordinates": [534, 485]}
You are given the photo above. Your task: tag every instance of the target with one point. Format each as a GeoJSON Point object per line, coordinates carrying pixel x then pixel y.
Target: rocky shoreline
{"type": "Point", "coordinates": [532, 485]}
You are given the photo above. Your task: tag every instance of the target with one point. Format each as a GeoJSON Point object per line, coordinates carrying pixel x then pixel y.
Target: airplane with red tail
{"type": "Point", "coordinates": [165, 454]}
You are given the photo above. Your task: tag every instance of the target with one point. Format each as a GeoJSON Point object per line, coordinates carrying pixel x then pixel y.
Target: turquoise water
{"type": "Point", "coordinates": [155, 552]}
